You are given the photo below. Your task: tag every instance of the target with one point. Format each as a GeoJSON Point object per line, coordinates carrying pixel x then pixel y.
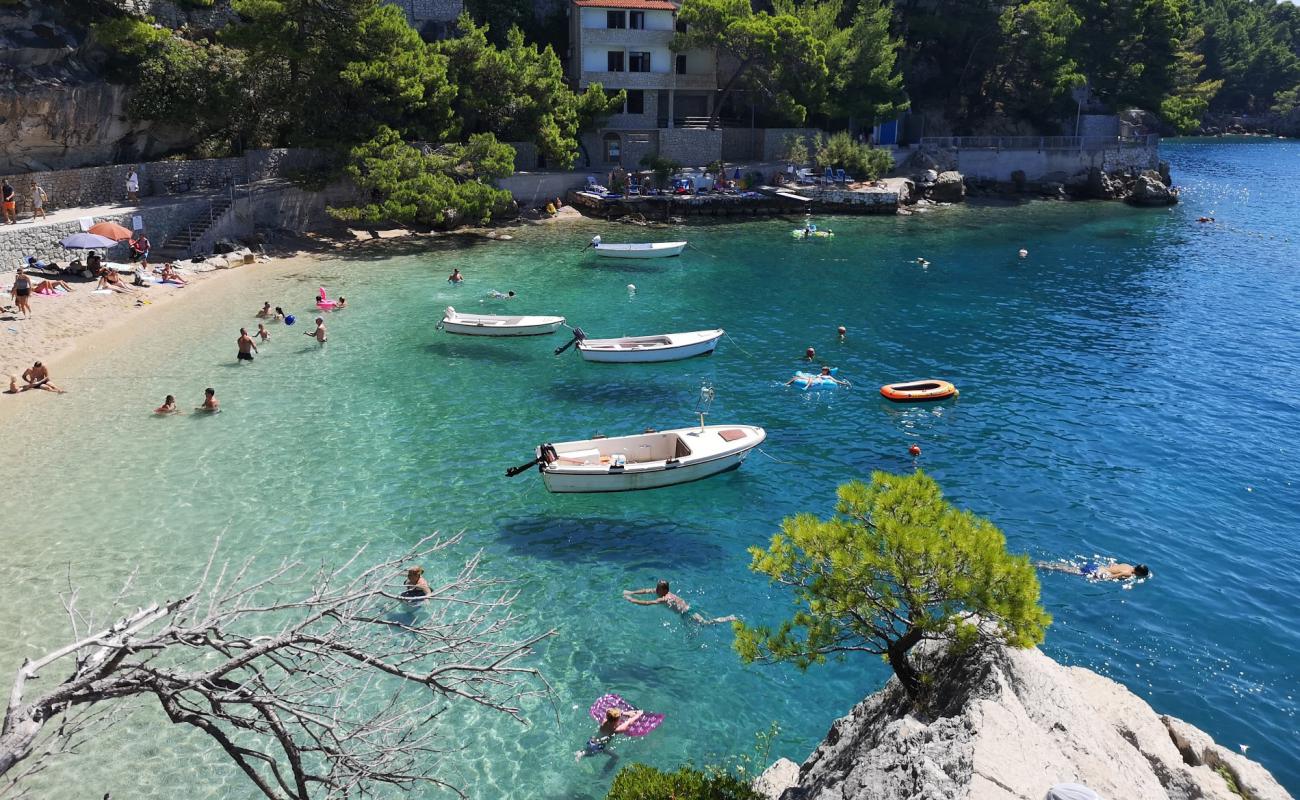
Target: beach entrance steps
{"type": "Point", "coordinates": [185, 241]}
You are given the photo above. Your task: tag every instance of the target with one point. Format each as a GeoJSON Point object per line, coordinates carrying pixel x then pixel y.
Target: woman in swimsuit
{"type": "Point", "coordinates": [168, 407]}
{"type": "Point", "coordinates": [109, 279]}
{"type": "Point", "coordinates": [49, 287]}
{"type": "Point", "coordinates": [615, 722]}
{"type": "Point", "coordinates": [21, 292]}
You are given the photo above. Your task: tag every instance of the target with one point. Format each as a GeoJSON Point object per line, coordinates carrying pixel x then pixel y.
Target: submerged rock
{"type": "Point", "coordinates": [1150, 190]}
{"type": "Point", "coordinates": [1001, 724]}
{"type": "Point", "coordinates": [948, 188]}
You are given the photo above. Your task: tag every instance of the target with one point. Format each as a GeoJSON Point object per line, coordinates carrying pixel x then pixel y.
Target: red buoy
{"type": "Point", "coordinates": [915, 450]}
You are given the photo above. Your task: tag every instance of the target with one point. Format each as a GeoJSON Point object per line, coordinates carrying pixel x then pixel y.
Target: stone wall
{"type": "Point", "coordinates": [1037, 165]}
{"type": "Point", "coordinates": [97, 186]}
{"type": "Point", "coordinates": [690, 147]}
{"type": "Point", "coordinates": [742, 144]}
{"type": "Point", "coordinates": [536, 188]}
{"type": "Point", "coordinates": [160, 223]}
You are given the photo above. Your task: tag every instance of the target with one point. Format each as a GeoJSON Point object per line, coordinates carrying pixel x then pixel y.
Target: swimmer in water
{"type": "Point", "coordinates": [615, 722]}
{"type": "Point", "coordinates": [210, 403]}
{"type": "Point", "coordinates": [262, 333]}
{"type": "Point", "coordinates": [455, 276]}
{"type": "Point", "coordinates": [342, 303]}
{"type": "Point", "coordinates": [265, 313]}
{"type": "Point", "coordinates": [1097, 571]}
{"type": "Point", "coordinates": [168, 407]}
{"type": "Point", "coordinates": [664, 596]}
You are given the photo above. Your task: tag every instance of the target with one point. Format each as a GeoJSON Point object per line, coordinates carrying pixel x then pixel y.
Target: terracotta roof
{"type": "Point", "coordinates": [647, 5]}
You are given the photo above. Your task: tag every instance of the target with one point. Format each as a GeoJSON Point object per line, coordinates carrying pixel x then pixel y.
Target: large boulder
{"type": "Point", "coordinates": [1004, 724]}
{"type": "Point", "coordinates": [948, 187]}
{"type": "Point", "coordinates": [1150, 190]}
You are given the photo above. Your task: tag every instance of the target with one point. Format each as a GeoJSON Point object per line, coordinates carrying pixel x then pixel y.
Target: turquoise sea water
{"type": "Point", "coordinates": [1130, 389]}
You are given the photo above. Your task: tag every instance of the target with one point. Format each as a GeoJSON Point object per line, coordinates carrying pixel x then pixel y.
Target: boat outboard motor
{"type": "Point", "coordinates": [547, 455]}
{"type": "Point", "coordinates": [578, 336]}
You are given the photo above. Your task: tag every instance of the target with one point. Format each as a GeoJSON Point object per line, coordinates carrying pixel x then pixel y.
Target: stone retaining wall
{"type": "Point", "coordinates": [97, 186]}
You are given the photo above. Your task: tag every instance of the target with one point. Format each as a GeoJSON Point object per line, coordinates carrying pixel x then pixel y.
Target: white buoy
{"type": "Point", "coordinates": [631, 288]}
{"type": "Point", "coordinates": [1024, 253]}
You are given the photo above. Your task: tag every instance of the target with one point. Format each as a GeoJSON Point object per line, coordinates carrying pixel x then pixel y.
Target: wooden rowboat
{"type": "Point", "coordinates": [492, 325]}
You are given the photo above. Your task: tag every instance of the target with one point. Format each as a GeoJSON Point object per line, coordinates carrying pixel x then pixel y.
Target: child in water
{"type": "Point", "coordinates": [615, 722]}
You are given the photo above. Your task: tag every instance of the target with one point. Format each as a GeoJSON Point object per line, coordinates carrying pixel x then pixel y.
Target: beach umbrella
{"type": "Point", "coordinates": [110, 230]}
{"type": "Point", "coordinates": [87, 241]}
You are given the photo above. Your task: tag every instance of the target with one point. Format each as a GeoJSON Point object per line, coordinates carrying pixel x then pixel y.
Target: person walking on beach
{"type": "Point", "coordinates": [38, 201]}
{"type": "Point", "coordinates": [246, 346]}
{"type": "Point", "coordinates": [319, 333]}
{"type": "Point", "coordinates": [210, 403]}
{"type": "Point", "coordinates": [37, 376]}
{"type": "Point", "coordinates": [132, 187]}
{"type": "Point", "coordinates": [9, 202]}
{"type": "Point", "coordinates": [21, 292]}
{"type": "Point", "coordinates": [664, 596]}
{"type": "Point", "coordinates": [140, 249]}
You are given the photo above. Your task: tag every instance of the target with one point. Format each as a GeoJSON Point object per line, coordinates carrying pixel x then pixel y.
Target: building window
{"type": "Point", "coordinates": [613, 148]}
{"type": "Point", "coordinates": [638, 62]}
{"type": "Point", "coordinates": [681, 65]}
{"type": "Point", "coordinates": [635, 101]}
{"type": "Point", "coordinates": [615, 60]}
{"type": "Point", "coordinates": [614, 19]}
{"type": "Point", "coordinates": [636, 20]}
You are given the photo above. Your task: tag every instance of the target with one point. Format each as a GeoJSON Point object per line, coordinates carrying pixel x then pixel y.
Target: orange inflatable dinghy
{"type": "Point", "coordinates": [919, 391]}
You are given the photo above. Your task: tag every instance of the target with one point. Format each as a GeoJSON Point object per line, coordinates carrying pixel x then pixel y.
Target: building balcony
{"type": "Point", "coordinates": [626, 37]}
{"type": "Point", "coordinates": [648, 80]}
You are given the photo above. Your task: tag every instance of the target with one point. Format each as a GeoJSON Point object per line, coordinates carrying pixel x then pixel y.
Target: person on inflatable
{"type": "Point", "coordinates": [615, 722]}
{"type": "Point", "coordinates": [823, 376]}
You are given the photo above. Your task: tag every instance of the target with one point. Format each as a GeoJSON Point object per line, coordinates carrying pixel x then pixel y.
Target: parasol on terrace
{"type": "Point", "coordinates": [87, 241]}
{"type": "Point", "coordinates": [110, 230]}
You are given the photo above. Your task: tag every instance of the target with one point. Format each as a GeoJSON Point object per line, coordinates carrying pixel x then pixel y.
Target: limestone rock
{"type": "Point", "coordinates": [782, 775]}
{"type": "Point", "coordinates": [1002, 724]}
{"type": "Point", "coordinates": [1149, 190]}
{"type": "Point", "coordinates": [948, 188]}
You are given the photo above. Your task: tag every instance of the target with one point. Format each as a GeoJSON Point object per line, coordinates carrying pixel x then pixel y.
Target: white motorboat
{"type": "Point", "coordinates": [637, 250]}
{"type": "Point", "coordinates": [649, 460]}
{"type": "Point", "coordinates": [493, 325]}
{"type": "Point", "coordinates": [643, 349]}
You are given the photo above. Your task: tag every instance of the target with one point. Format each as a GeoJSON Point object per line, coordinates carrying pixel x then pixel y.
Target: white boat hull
{"type": "Point", "coordinates": [706, 454]}
{"type": "Point", "coordinates": [483, 330]}
{"type": "Point", "coordinates": [496, 325]}
{"type": "Point", "coordinates": [649, 349]}
{"type": "Point", "coordinates": [655, 250]}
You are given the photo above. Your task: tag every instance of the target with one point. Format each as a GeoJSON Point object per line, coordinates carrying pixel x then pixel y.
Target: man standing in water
{"type": "Point", "coordinates": [210, 403]}
{"type": "Point", "coordinates": [319, 333]}
{"type": "Point", "coordinates": [246, 346]}
{"type": "Point", "coordinates": [663, 596]}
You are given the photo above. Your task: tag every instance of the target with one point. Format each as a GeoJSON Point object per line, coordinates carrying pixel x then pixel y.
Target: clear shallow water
{"type": "Point", "coordinates": [1129, 390]}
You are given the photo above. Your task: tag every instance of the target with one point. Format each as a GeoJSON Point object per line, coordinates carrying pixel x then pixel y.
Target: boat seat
{"type": "Point", "coordinates": [580, 456]}
{"type": "Point", "coordinates": [731, 435]}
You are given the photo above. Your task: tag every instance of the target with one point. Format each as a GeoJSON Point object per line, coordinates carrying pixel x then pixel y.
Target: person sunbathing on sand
{"type": "Point", "coordinates": [109, 279]}
{"type": "Point", "coordinates": [663, 596]}
{"type": "Point", "coordinates": [37, 376]}
{"type": "Point", "coordinates": [48, 287]}
{"type": "Point", "coordinates": [169, 273]}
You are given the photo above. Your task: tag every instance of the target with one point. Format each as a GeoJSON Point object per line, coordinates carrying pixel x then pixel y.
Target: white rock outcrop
{"type": "Point", "coordinates": [1005, 724]}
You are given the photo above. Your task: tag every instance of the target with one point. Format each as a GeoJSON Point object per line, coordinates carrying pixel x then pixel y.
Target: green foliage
{"type": "Point", "coordinates": [1183, 109]}
{"type": "Point", "coordinates": [895, 565]}
{"type": "Point", "coordinates": [863, 163]}
{"type": "Point", "coordinates": [642, 782]}
{"type": "Point", "coordinates": [437, 186]}
{"type": "Point", "coordinates": [518, 92]}
{"type": "Point", "coordinates": [1286, 102]}
{"type": "Point", "coordinates": [130, 40]}
{"type": "Point", "coordinates": [863, 78]}
{"type": "Point", "coordinates": [498, 16]}
{"type": "Point", "coordinates": [1036, 71]}
{"type": "Point", "coordinates": [1253, 47]}
{"type": "Point", "coordinates": [1130, 49]}
{"type": "Point", "coordinates": [194, 83]}
{"type": "Point", "coordinates": [776, 54]}
{"type": "Point", "coordinates": [795, 149]}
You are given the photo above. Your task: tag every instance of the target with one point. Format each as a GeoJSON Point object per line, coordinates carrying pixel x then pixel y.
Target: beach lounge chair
{"type": "Point", "coordinates": [633, 185]}
{"type": "Point", "coordinates": [828, 177]}
{"type": "Point", "coordinates": [841, 178]}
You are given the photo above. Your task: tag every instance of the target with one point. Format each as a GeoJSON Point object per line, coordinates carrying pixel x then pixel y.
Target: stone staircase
{"type": "Point", "coordinates": [184, 243]}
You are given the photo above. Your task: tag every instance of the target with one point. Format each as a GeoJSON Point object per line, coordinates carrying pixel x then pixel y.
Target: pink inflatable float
{"type": "Point", "coordinates": [323, 302]}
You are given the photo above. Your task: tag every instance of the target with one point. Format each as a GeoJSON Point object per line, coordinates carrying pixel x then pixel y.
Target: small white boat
{"type": "Point", "coordinates": [492, 325]}
{"type": "Point", "coordinates": [643, 349]}
{"type": "Point", "coordinates": [649, 460]}
{"type": "Point", "coordinates": [638, 250]}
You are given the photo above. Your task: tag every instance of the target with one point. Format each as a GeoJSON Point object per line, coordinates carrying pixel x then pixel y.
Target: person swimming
{"type": "Point", "coordinates": [168, 407]}
{"type": "Point", "coordinates": [1097, 570]}
{"type": "Point", "coordinates": [455, 276]}
{"type": "Point", "coordinates": [614, 723]}
{"type": "Point", "coordinates": [664, 596]}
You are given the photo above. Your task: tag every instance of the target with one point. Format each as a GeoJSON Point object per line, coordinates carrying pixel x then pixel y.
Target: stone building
{"type": "Point", "coordinates": [434, 19]}
{"type": "Point", "coordinates": [625, 44]}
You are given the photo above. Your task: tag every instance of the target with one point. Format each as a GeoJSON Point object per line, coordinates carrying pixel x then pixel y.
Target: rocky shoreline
{"type": "Point", "coordinates": [1004, 724]}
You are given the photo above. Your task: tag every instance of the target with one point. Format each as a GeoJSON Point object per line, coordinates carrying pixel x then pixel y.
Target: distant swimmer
{"type": "Point", "coordinates": [1205, 219]}
{"type": "Point", "coordinates": [810, 354]}
{"type": "Point", "coordinates": [495, 295]}
{"type": "Point", "coordinates": [318, 334]}
{"type": "Point", "coordinates": [664, 596]}
{"type": "Point", "coordinates": [262, 332]}
{"type": "Point", "coordinates": [342, 303]}
{"type": "Point", "coordinates": [455, 276]}
{"type": "Point", "coordinates": [1096, 570]}
{"type": "Point", "coordinates": [246, 346]}
{"type": "Point", "coordinates": [1024, 253]}
{"type": "Point", "coordinates": [265, 313]}
{"type": "Point", "coordinates": [168, 407]}
{"type": "Point", "coordinates": [416, 585]}
{"type": "Point", "coordinates": [210, 403]}
{"type": "Point", "coordinates": [279, 315]}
